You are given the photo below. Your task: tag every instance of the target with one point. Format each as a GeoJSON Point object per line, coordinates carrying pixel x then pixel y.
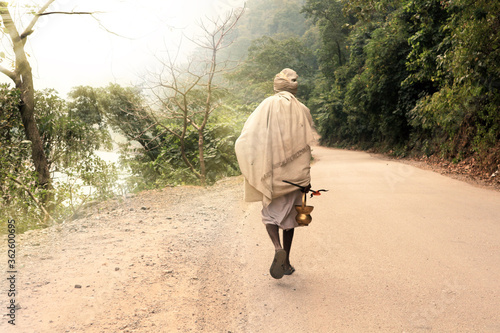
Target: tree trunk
{"type": "Point", "coordinates": [23, 79]}
{"type": "Point", "coordinates": [203, 171]}
{"type": "Point", "coordinates": [26, 108]}
{"type": "Point", "coordinates": [339, 51]}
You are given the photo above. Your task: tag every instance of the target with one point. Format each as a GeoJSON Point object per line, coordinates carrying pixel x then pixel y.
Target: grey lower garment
{"type": "Point", "coordinates": [281, 211]}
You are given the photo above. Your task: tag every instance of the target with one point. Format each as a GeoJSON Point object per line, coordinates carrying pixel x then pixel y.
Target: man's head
{"type": "Point", "coordinates": [286, 80]}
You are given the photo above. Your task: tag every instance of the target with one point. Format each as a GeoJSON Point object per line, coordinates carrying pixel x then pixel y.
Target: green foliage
{"type": "Point", "coordinates": [126, 113]}
{"type": "Point", "coordinates": [266, 58]}
{"type": "Point", "coordinates": [466, 110]}
{"type": "Point", "coordinates": [271, 36]}
{"type": "Point", "coordinates": [329, 106]}
{"type": "Point", "coordinates": [83, 105]}
{"type": "Point", "coordinates": [153, 155]}
{"type": "Point", "coordinates": [71, 135]}
{"type": "Point", "coordinates": [122, 109]}
{"type": "Point", "coordinates": [168, 168]}
{"type": "Point", "coordinates": [15, 165]}
{"type": "Point", "coordinates": [334, 29]}
{"type": "Point", "coordinates": [368, 106]}
{"type": "Point", "coordinates": [421, 75]}
{"type": "Point", "coordinates": [219, 156]}
{"type": "Point", "coordinates": [429, 41]}
{"type": "Point", "coordinates": [369, 10]}
{"type": "Point", "coordinates": [68, 135]}
{"type": "Point", "coordinates": [69, 143]}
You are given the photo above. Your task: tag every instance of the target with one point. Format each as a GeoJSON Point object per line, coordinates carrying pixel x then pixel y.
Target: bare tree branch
{"type": "Point", "coordinates": [7, 72]}
{"type": "Point", "coordinates": [29, 28]}
{"type": "Point", "coordinates": [102, 25]}
{"type": "Point", "coordinates": [67, 13]}
{"type": "Point", "coordinates": [187, 93]}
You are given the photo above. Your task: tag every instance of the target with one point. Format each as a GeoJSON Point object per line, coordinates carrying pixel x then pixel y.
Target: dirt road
{"type": "Point", "coordinates": [391, 248]}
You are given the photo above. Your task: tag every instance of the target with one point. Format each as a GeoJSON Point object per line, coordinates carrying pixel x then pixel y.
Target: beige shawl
{"type": "Point", "coordinates": [274, 145]}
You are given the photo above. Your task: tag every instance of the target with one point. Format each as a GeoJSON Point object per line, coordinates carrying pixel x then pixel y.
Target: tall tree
{"type": "Point", "coordinates": [124, 110]}
{"type": "Point", "coordinates": [268, 56]}
{"type": "Point", "coordinates": [333, 26]}
{"type": "Point", "coordinates": [188, 96]}
{"type": "Point", "coordinates": [21, 75]}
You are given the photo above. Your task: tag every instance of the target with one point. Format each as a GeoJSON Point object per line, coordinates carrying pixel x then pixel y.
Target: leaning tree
{"type": "Point", "coordinates": [20, 73]}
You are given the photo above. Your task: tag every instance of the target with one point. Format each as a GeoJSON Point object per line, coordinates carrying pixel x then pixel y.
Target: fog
{"type": "Point", "coordinates": [118, 43]}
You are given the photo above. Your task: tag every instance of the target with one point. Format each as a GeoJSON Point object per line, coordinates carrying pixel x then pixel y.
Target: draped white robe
{"type": "Point", "coordinates": [274, 145]}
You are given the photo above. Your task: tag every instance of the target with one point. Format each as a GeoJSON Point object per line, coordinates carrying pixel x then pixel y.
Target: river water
{"type": "Point", "coordinates": [109, 156]}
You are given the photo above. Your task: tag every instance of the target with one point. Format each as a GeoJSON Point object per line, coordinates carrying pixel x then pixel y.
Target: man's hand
{"type": "Point", "coordinates": [306, 189]}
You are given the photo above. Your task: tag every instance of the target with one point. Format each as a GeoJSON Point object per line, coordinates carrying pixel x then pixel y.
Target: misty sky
{"type": "Point", "coordinates": [69, 50]}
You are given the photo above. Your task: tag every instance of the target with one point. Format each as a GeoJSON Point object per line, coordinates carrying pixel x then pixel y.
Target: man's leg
{"type": "Point", "coordinates": [277, 269]}
{"type": "Point", "coordinates": [274, 234]}
{"type": "Point", "coordinates": [287, 243]}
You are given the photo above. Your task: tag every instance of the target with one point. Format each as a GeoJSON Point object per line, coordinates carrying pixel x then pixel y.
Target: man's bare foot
{"type": "Point", "coordinates": [278, 266]}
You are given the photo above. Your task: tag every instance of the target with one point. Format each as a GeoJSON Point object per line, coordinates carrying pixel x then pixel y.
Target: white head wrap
{"type": "Point", "coordinates": [286, 80]}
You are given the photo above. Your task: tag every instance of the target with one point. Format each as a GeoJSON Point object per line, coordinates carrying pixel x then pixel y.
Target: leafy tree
{"type": "Point", "coordinates": [14, 152]}
{"type": "Point", "coordinates": [464, 111]}
{"type": "Point", "coordinates": [420, 75]}
{"type": "Point", "coordinates": [67, 134]}
{"type": "Point", "coordinates": [279, 19]}
{"type": "Point", "coordinates": [124, 110]}
{"type": "Point", "coordinates": [426, 24]}
{"type": "Point", "coordinates": [83, 104]}
{"type": "Point", "coordinates": [360, 100]}
{"type": "Point", "coordinates": [152, 154]}
{"type": "Point", "coordinates": [69, 145]}
{"type": "Point", "coordinates": [334, 30]}
{"type": "Point", "coordinates": [21, 75]}
{"type": "Point", "coordinates": [266, 58]}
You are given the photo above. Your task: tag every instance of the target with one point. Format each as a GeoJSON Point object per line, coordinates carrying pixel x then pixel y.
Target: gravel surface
{"type": "Point", "coordinates": [152, 262]}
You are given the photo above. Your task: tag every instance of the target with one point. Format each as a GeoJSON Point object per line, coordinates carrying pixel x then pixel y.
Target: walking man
{"type": "Point", "coordinates": [274, 145]}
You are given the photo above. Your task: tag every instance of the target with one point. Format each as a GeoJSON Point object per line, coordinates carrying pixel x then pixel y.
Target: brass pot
{"type": "Point", "coordinates": [303, 217]}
